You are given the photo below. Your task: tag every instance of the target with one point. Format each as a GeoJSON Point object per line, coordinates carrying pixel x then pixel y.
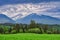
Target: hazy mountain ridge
{"type": "Point", "coordinates": [26, 20]}
{"type": "Point", "coordinates": [39, 19]}
{"type": "Point", "coordinates": [5, 19]}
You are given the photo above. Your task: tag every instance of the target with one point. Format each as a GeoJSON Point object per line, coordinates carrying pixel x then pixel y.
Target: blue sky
{"type": "Point", "coordinates": [26, 7]}
{"type": "Point", "coordinates": [5, 2]}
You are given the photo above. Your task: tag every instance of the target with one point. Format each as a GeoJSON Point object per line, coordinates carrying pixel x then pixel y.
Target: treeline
{"type": "Point", "coordinates": [33, 27]}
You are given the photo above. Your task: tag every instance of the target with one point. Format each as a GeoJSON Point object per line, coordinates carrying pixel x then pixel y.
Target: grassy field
{"type": "Point", "coordinates": [29, 36]}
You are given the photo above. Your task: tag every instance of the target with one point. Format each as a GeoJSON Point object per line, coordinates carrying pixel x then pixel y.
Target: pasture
{"type": "Point", "coordinates": [29, 36]}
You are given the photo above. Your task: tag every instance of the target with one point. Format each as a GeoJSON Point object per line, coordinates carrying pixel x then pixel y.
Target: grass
{"type": "Point", "coordinates": [29, 36]}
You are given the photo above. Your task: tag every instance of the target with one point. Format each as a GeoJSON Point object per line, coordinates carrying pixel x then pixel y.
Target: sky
{"type": "Point", "coordinates": [20, 8]}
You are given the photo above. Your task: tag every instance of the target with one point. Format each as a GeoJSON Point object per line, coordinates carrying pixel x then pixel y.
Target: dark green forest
{"type": "Point", "coordinates": [33, 27]}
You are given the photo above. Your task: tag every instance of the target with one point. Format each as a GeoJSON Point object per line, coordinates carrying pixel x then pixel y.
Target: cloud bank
{"type": "Point", "coordinates": [22, 10]}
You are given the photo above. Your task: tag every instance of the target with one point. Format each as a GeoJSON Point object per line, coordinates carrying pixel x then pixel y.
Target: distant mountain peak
{"type": "Point", "coordinates": [2, 15]}
{"type": "Point", "coordinates": [45, 19]}
{"type": "Point", "coordinates": [33, 14]}
{"type": "Point", "coordinates": [5, 19]}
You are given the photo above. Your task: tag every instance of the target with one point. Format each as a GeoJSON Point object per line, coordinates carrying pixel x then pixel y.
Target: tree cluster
{"type": "Point", "coordinates": [33, 27]}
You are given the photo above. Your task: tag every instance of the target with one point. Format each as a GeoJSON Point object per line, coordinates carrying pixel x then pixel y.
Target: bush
{"type": "Point", "coordinates": [34, 30]}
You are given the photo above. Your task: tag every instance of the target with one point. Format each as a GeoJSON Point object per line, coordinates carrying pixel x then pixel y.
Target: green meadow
{"type": "Point", "coordinates": [29, 36]}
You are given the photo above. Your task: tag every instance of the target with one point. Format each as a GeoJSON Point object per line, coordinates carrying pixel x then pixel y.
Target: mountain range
{"type": "Point", "coordinates": [39, 19]}
{"type": "Point", "coordinates": [44, 19]}
{"type": "Point", "coordinates": [5, 19]}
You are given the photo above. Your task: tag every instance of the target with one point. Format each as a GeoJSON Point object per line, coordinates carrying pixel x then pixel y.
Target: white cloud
{"type": "Point", "coordinates": [26, 9]}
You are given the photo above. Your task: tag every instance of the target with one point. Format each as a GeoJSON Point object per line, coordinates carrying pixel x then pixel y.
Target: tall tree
{"type": "Point", "coordinates": [17, 28]}
{"type": "Point", "coordinates": [45, 28]}
{"type": "Point", "coordinates": [32, 24]}
{"type": "Point", "coordinates": [10, 29]}
{"type": "Point", "coordinates": [23, 27]}
{"type": "Point", "coordinates": [1, 30]}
